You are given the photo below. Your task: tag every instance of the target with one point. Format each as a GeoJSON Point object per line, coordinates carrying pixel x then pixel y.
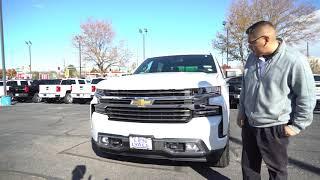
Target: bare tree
{"type": "Point", "coordinates": [294, 20]}
{"type": "Point", "coordinates": [96, 43]}
{"type": "Point", "coordinates": [315, 65]}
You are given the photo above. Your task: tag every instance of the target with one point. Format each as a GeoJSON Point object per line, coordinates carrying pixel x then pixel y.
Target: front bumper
{"type": "Point", "coordinates": [160, 149]}
{"type": "Point", "coordinates": [205, 129]}
{"type": "Point", "coordinates": [21, 95]}
{"type": "Point", "coordinates": [49, 95]}
{"type": "Point", "coordinates": [81, 95]}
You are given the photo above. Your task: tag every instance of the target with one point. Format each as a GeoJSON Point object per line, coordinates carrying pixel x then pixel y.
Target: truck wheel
{"type": "Point", "coordinates": [224, 159]}
{"type": "Point", "coordinates": [68, 99]}
{"type": "Point", "coordinates": [36, 98]}
{"type": "Point", "coordinates": [95, 148]}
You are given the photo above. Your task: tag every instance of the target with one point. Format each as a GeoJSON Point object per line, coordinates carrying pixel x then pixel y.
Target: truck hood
{"type": "Point", "coordinates": [167, 80]}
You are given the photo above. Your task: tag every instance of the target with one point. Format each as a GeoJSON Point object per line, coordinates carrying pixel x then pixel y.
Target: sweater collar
{"type": "Point", "coordinates": [270, 56]}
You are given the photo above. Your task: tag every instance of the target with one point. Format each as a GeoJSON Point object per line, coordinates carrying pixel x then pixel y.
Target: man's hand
{"type": "Point", "coordinates": [240, 119]}
{"type": "Point", "coordinates": [289, 132]}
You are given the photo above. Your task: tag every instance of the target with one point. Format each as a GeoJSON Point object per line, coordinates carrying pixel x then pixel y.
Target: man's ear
{"type": "Point", "coordinates": [267, 39]}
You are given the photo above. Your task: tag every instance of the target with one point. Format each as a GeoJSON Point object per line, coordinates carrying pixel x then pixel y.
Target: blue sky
{"type": "Point", "coordinates": [174, 27]}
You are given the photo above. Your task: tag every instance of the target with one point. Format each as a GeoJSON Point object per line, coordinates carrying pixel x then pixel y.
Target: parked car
{"type": "Point", "coordinates": [20, 90]}
{"type": "Point", "coordinates": [317, 84]}
{"type": "Point", "coordinates": [172, 107]}
{"type": "Point", "coordinates": [234, 90]}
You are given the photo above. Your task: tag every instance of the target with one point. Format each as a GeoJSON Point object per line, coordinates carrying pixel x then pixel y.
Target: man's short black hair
{"type": "Point", "coordinates": [257, 25]}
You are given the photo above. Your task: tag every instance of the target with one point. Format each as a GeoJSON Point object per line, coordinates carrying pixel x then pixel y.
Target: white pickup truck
{"type": "Point", "coordinates": [172, 107]}
{"type": "Point", "coordinates": [62, 91]}
{"type": "Point", "coordinates": [84, 92]}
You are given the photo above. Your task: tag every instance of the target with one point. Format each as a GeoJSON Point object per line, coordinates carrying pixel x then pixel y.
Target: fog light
{"type": "Point", "coordinates": [105, 140]}
{"type": "Point", "coordinates": [177, 147]}
{"type": "Point", "coordinates": [192, 147]}
{"type": "Point", "coordinates": [115, 142]}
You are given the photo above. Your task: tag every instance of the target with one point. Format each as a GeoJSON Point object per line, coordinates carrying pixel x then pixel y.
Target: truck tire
{"type": "Point", "coordinates": [224, 159]}
{"type": "Point", "coordinates": [36, 98]}
{"type": "Point", "coordinates": [68, 99]}
{"type": "Point", "coordinates": [95, 148]}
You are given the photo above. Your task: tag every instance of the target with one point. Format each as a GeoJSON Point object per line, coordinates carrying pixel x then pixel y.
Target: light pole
{"type": "Point", "coordinates": [226, 26]}
{"type": "Point", "coordinates": [221, 45]}
{"type": "Point", "coordinates": [143, 32]}
{"type": "Point", "coordinates": [29, 44]}
{"type": "Point", "coordinates": [79, 39]}
{"type": "Point", "coordinates": [2, 53]}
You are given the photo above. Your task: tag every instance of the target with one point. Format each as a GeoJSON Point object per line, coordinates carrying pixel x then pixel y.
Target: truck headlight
{"type": "Point", "coordinates": [99, 93]}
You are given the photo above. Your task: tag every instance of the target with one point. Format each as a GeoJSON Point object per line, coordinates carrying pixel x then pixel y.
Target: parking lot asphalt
{"type": "Point", "coordinates": [52, 141]}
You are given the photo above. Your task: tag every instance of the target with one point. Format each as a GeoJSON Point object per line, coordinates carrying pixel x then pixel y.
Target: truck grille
{"type": "Point", "coordinates": [148, 114]}
{"type": "Point", "coordinates": [170, 106]}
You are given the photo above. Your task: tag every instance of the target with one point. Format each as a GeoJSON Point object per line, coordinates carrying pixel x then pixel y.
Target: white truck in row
{"type": "Point", "coordinates": [69, 91]}
{"type": "Point", "coordinates": [172, 107]}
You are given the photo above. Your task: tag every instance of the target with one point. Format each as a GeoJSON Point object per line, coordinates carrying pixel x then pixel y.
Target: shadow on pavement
{"type": "Point", "coordinates": [78, 172]}
{"type": "Point", "coordinates": [201, 168]}
{"type": "Point", "coordinates": [305, 166]}
{"type": "Point", "coordinates": [208, 173]}
{"type": "Point", "coordinates": [295, 162]}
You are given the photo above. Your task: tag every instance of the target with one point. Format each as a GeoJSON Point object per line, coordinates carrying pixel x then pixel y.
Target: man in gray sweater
{"type": "Point", "coordinates": [276, 101]}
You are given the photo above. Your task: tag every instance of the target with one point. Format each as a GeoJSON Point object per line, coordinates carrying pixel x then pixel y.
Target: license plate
{"type": "Point", "coordinates": [140, 143]}
{"type": "Point", "coordinates": [17, 94]}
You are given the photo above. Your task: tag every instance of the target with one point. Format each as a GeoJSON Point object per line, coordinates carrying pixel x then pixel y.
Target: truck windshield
{"type": "Point", "coordinates": [24, 83]}
{"type": "Point", "coordinates": [96, 81]}
{"type": "Point", "coordinates": [54, 81]}
{"type": "Point", "coordinates": [182, 63]}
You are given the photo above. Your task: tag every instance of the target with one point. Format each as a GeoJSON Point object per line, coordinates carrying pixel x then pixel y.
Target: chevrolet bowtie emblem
{"type": "Point", "coordinates": [141, 102]}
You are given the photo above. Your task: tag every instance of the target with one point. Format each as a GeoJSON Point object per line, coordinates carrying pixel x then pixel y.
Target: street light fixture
{"type": "Point", "coordinates": [29, 44]}
{"type": "Point", "coordinates": [143, 32]}
{"type": "Point", "coordinates": [79, 39]}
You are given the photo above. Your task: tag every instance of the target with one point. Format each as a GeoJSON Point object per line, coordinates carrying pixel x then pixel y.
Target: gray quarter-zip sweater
{"type": "Point", "coordinates": [283, 94]}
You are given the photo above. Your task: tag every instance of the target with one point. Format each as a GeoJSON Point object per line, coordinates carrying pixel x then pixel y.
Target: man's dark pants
{"type": "Point", "coordinates": [269, 144]}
